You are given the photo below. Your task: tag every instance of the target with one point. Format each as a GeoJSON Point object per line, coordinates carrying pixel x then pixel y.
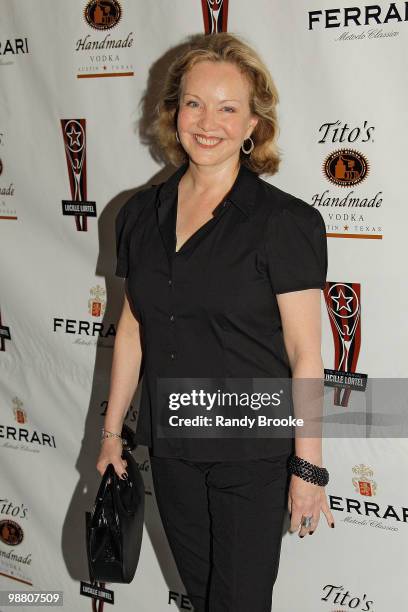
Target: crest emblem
{"type": "Point", "coordinates": [96, 303]}
{"type": "Point", "coordinates": [363, 483]}
{"type": "Point", "coordinates": [20, 414]}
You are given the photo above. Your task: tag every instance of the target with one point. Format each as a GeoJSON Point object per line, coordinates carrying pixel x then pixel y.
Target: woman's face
{"type": "Point", "coordinates": [214, 116]}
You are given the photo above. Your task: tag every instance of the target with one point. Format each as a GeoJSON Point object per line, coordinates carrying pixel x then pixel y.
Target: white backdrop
{"type": "Point", "coordinates": [343, 93]}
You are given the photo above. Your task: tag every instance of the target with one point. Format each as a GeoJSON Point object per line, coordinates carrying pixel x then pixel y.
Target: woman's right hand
{"type": "Point", "coordinates": [111, 452]}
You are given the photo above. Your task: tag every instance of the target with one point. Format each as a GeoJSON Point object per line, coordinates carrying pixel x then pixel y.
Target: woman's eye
{"type": "Point", "coordinates": [230, 109]}
{"type": "Point", "coordinates": [191, 102]}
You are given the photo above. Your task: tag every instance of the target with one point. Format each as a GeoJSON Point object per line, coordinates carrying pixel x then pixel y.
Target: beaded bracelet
{"type": "Point", "coordinates": [308, 471]}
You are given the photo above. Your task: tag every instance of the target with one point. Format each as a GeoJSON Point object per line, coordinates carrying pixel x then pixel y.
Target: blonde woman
{"type": "Point", "coordinates": [224, 273]}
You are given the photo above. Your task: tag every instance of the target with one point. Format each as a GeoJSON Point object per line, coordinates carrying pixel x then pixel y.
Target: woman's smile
{"type": "Point", "coordinates": [207, 143]}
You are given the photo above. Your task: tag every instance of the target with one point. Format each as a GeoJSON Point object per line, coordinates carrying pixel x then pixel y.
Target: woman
{"type": "Point", "coordinates": [223, 279]}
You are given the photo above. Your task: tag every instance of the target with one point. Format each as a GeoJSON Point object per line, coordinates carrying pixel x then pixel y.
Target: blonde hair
{"type": "Point", "coordinates": [223, 46]}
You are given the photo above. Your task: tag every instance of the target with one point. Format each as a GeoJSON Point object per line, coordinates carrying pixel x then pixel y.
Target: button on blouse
{"type": "Point", "coordinates": [210, 309]}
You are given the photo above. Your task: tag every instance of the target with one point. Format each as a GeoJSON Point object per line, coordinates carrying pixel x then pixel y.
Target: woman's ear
{"type": "Point", "coordinates": [253, 123]}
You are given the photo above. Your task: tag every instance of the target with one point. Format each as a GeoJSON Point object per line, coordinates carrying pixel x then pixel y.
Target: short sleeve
{"type": "Point", "coordinates": [296, 248]}
{"type": "Point", "coordinates": [122, 241]}
{"type": "Point", "coordinates": [125, 223]}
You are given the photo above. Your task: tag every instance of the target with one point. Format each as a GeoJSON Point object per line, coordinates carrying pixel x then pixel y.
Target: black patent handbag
{"type": "Point", "coordinates": [114, 528]}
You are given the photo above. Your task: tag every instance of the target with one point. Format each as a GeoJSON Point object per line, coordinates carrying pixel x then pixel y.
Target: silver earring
{"type": "Point", "coordinates": [177, 138]}
{"type": "Point", "coordinates": [251, 147]}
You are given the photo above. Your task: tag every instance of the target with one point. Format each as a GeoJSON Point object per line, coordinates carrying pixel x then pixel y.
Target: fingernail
{"type": "Point", "coordinates": [125, 475]}
{"type": "Point", "coordinates": [310, 532]}
{"type": "Point", "coordinates": [332, 525]}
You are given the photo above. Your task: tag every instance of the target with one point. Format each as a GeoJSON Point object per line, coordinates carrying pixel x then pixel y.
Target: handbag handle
{"type": "Point", "coordinates": [107, 480]}
{"type": "Point", "coordinates": [117, 484]}
{"type": "Point", "coordinates": [110, 478]}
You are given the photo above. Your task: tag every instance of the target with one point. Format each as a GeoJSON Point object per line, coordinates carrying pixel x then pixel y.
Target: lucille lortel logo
{"type": "Point", "coordinates": [74, 134]}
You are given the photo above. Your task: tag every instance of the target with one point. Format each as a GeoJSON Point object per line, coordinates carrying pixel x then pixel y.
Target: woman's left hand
{"type": "Point", "coordinates": [307, 499]}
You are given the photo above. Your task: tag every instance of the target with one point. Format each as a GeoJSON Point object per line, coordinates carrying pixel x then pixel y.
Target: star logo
{"type": "Point", "coordinates": [74, 137]}
{"type": "Point", "coordinates": [342, 302]}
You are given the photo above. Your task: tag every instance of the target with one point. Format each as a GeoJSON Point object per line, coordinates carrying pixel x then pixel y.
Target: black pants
{"type": "Point", "coordinates": [223, 522]}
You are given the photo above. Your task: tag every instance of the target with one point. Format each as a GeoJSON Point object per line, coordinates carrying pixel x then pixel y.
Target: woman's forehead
{"type": "Point", "coordinates": [225, 76]}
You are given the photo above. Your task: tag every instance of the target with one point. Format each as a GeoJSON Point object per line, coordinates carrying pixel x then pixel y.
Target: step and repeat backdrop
{"type": "Point", "coordinates": [79, 82]}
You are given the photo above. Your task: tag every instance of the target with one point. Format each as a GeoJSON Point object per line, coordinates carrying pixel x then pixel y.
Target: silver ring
{"type": "Point", "coordinates": [306, 521]}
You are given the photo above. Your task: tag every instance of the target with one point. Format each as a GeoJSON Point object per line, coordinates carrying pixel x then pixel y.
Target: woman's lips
{"type": "Point", "coordinates": [207, 143]}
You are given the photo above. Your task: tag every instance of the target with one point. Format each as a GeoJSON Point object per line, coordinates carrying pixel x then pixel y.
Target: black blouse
{"type": "Point", "coordinates": [210, 309]}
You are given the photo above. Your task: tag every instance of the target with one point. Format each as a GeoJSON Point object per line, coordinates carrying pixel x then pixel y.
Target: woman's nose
{"type": "Point", "coordinates": [207, 120]}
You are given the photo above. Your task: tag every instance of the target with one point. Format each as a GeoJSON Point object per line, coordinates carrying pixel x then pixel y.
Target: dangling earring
{"type": "Point", "coordinates": [251, 148]}
{"type": "Point", "coordinates": [177, 138]}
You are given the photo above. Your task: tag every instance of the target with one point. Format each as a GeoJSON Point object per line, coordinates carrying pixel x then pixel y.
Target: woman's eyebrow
{"type": "Point", "coordinates": [196, 96]}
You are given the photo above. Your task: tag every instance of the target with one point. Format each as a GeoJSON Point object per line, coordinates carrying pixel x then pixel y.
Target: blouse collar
{"type": "Point", "coordinates": [242, 192]}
